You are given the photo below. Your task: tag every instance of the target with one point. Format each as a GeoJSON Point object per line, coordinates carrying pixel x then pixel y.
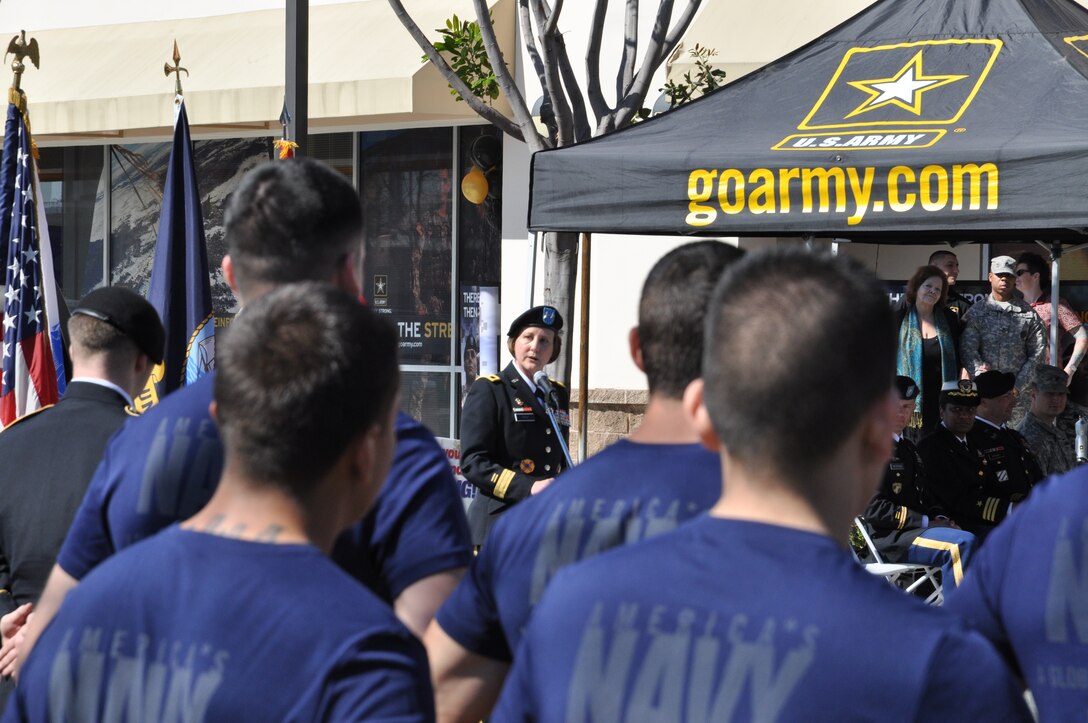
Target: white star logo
{"type": "Point", "coordinates": [12, 294]}
{"type": "Point", "coordinates": [29, 256]}
{"type": "Point", "coordinates": [14, 268]}
{"type": "Point", "coordinates": [9, 322]}
{"type": "Point", "coordinates": [7, 350]}
{"type": "Point", "coordinates": [904, 89]}
{"type": "Point", "coordinates": [32, 315]}
{"type": "Point", "coordinates": [22, 278]}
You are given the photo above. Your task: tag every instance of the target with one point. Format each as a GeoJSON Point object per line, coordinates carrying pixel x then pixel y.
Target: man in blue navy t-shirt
{"type": "Point", "coordinates": [288, 221]}
{"type": "Point", "coordinates": [237, 613]}
{"type": "Point", "coordinates": [757, 611]}
{"type": "Point", "coordinates": [637, 488]}
{"type": "Point", "coordinates": [1027, 591]}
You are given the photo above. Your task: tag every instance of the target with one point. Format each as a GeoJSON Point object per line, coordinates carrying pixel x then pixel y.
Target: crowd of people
{"type": "Point", "coordinates": [278, 542]}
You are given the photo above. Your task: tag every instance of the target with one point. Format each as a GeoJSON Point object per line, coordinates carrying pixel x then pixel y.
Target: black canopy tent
{"type": "Point", "coordinates": [915, 121]}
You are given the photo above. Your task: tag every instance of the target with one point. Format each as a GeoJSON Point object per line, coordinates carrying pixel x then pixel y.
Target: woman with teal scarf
{"type": "Point", "coordinates": [928, 345]}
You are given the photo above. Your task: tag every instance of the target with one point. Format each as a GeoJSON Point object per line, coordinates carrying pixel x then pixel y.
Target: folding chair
{"type": "Point", "coordinates": [908, 577]}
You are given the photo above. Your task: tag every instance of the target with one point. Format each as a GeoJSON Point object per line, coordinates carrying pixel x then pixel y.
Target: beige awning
{"type": "Point", "coordinates": [108, 81]}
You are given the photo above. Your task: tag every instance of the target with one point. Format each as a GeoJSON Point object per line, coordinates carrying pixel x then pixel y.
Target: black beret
{"type": "Point", "coordinates": [993, 383]}
{"type": "Point", "coordinates": [129, 313]}
{"type": "Point", "coordinates": [546, 317]}
{"type": "Point", "coordinates": [906, 387]}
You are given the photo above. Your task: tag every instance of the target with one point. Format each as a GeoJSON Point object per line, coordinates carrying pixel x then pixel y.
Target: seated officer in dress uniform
{"type": "Point", "coordinates": [1011, 468]}
{"type": "Point", "coordinates": [508, 447]}
{"type": "Point", "coordinates": [904, 522]}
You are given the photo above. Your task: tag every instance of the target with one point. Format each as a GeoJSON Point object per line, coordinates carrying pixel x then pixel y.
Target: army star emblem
{"type": "Point", "coordinates": [904, 89]}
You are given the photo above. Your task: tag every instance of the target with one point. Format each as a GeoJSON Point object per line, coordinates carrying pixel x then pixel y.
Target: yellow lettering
{"type": "Point", "coordinates": [862, 190]}
{"type": "Point", "coordinates": [925, 188]}
{"type": "Point", "coordinates": [785, 175]}
{"type": "Point", "coordinates": [823, 177]}
{"type": "Point", "coordinates": [761, 198]}
{"type": "Point", "coordinates": [700, 190]}
{"type": "Point", "coordinates": [731, 175]}
{"type": "Point", "coordinates": [894, 201]}
{"type": "Point", "coordinates": [973, 173]}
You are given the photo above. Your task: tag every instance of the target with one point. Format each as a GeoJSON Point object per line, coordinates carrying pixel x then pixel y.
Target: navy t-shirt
{"type": "Point", "coordinates": [1027, 591]}
{"type": "Point", "coordinates": [626, 493]}
{"type": "Point", "coordinates": [728, 620]}
{"type": "Point", "coordinates": [188, 626]}
{"type": "Point", "coordinates": [163, 467]}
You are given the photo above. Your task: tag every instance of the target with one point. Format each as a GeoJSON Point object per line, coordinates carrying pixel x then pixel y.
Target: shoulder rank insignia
{"type": "Point", "coordinates": [493, 378]}
{"type": "Point", "coordinates": [27, 416]}
{"type": "Point", "coordinates": [558, 383]}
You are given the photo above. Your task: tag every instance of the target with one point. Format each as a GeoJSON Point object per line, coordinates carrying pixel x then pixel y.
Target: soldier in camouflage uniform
{"type": "Point", "coordinates": [1003, 333]}
{"type": "Point", "coordinates": [1049, 395]}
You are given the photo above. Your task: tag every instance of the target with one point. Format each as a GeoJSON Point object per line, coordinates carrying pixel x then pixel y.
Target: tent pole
{"type": "Point", "coordinates": [583, 357]}
{"type": "Point", "coordinates": [530, 272]}
{"type": "Point", "coordinates": [1055, 284]}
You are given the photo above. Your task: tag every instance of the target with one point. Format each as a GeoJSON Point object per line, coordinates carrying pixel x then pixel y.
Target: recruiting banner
{"type": "Point", "coordinates": [479, 343]}
{"type": "Point", "coordinates": [465, 489]}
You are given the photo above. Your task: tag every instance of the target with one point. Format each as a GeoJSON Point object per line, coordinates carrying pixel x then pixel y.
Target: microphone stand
{"type": "Point", "coordinates": [549, 408]}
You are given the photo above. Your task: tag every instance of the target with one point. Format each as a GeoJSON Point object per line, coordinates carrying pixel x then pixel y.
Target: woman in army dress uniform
{"type": "Point", "coordinates": [508, 448]}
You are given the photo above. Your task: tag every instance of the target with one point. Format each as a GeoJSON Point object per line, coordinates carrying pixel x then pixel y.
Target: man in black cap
{"type": "Point", "coordinates": [1049, 397]}
{"type": "Point", "coordinates": [905, 522]}
{"type": "Point", "coordinates": [1011, 468]}
{"type": "Point", "coordinates": [508, 448]}
{"type": "Point", "coordinates": [50, 455]}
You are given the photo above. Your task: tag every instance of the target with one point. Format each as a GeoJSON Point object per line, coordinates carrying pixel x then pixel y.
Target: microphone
{"type": "Point", "coordinates": [541, 380]}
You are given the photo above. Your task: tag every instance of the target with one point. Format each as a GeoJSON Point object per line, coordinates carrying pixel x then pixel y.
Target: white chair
{"type": "Point", "coordinates": [908, 577]}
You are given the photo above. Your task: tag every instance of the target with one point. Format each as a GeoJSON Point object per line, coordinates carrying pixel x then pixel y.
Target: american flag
{"type": "Point", "coordinates": [33, 358]}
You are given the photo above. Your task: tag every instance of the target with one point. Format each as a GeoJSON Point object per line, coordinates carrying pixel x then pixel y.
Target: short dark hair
{"type": "Point", "coordinates": [291, 220]}
{"type": "Point", "coordinates": [812, 329]}
{"type": "Point", "coordinates": [672, 313]}
{"type": "Point", "coordinates": [1036, 265]}
{"type": "Point", "coordinates": [300, 374]}
{"type": "Point", "coordinates": [938, 255]}
{"type": "Point", "coordinates": [919, 277]}
{"type": "Point", "coordinates": [91, 336]}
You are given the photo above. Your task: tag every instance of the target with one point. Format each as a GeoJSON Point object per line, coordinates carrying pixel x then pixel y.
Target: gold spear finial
{"type": "Point", "coordinates": [22, 49]}
{"type": "Point", "coordinates": [176, 69]}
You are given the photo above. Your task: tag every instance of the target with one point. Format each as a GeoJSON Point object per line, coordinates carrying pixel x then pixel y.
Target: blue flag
{"type": "Point", "coordinates": [33, 374]}
{"type": "Point", "coordinates": [180, 286]}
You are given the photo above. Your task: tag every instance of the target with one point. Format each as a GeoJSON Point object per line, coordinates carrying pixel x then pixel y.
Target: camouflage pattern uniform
{"type": "Point", "coordinates": [1008, 337]}
{"type": "Point", "coordinates": [1052, 451]}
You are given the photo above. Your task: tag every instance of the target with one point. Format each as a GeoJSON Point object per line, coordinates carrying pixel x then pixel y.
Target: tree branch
{"type": "Point", "coordinates": [482, 109]}
{"type": "Point", "coordinates": [582, 130]}
{"type": "Point", "coordinates": [509, 86]}
{"type": "Point", "coordinates": [630, 50]}
{"type": "Point", "coordinates": [662, 43]}
{"type": "Point", "coordinates": [593, 63]}
{"type": "Point", "coordinates": [564, 118]}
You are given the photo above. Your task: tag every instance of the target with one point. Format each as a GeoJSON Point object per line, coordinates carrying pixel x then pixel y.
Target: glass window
{"type": "Point", "coordinates": [426, 397]}
{"type": "Point", "coordinates": [139, 177]}
{"type": "Point", "coordinates": [406, 187]}
{"type": "Point", "coordinates": [74, 191]}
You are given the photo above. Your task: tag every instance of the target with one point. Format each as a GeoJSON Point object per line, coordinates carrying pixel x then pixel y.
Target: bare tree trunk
{"type": "Point", "coordinates": [560, 274]}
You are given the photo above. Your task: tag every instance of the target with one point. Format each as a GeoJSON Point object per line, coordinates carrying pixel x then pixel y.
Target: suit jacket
{"type": "Point", "coordinates": [958, 479]}
{"type": "Point", "coordinates": [49, 458]}
{"type": "Point", "coordinates": [507, 444]}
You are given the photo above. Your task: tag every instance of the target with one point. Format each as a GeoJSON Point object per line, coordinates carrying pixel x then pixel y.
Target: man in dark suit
{"type": "Point", "coordinates": [508, 447]}
{"type": "Point", "coordinates": [905, 522]}
{"type": "Point", "coordinates": [49, 455]}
